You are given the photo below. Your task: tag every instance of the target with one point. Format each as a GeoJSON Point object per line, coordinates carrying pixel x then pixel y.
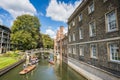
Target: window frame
{"type": "Point", "coordinates": [105, 1]}
{"type": "Point", "coordinates": [73, 37]}
{"type": "Point", "coordinates": [89, 9]}
{"type": "Point", "coordinates": [80, 17]}
{"type": "Point", "coordinates": [73, 22]}
{"type": "Point", "coordinates": [80, 33]}
{"type": "Point", "coordinates": [69, 38]}
{"type": "Point", "coordinates": [106, 22]}
{"type": "Point", "coordinates": [69, 26]}
{"type": "Point", "coordinates": [95, 57]}
{"type": "Point", "coordinates": [91, 34]}
{"type": "Point", "coordinates": [109, 51]}
{"type": "Point", "coordinates": [81, 48]}
{"type": "Point", "coordinates": [74, 49]}
{"type": "Point", "coordinates": [69, 50]}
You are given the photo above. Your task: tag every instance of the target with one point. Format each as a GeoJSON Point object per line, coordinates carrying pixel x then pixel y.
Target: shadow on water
{"type": "Point", "coordinates": [44, 71]}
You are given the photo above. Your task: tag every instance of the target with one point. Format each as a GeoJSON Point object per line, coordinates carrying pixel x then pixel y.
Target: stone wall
{"type": "Point", "coordinates": [102, 37]}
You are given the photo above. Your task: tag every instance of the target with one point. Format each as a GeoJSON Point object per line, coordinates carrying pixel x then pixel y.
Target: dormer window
{"type": "Point", "coordinates": [80, 17]}
{"type": "Point", "coordinates": [91, 8]}
{"type": "Point", "coordinates": [73, 23]}
{"type": "Point", "coordinates": [105, 0]}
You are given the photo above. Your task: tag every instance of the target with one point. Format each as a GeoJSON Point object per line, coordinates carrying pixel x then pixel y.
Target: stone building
{"type": "Point", "coordinates": [4, 39]}
{"type": "Point", "coordinates": [94, 38]}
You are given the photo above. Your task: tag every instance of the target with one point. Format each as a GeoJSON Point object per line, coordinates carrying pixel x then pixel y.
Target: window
{"type": "Point", "coordinates": [80, 17]}
{"type": "Point", "coordinates": [92, 29]}
{"type": "Point", "coordinates": [73, 23]}
{"type": "Point", "coordinates": [93, 49]}
{"type": "Point", "coordinates": [80, 34]}
{"type": "Point", "coordinates": [114, 52]}
{"type": "Point", "coordinates": [69, 50]}
{"type": "Point", "coordinates": [111, 21]}
{"type": "Point", "coordinates": [105, 0]}
{"type": "Point", "coordinates": [74, 51]}
{"type": "Point", "coordinates": [69, 38]}
{"type": "Point", "coordinates": [73, 36]}
{"type": "Point", "coordinates": [81, 51]}
{"type": "Point", "coordinates": [69, 26]}
{"type": "Point", "coordinates": [91, 8]}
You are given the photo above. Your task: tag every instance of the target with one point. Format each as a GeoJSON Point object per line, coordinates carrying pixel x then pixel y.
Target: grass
{"type": "Point", "coordinates": [6, 61]}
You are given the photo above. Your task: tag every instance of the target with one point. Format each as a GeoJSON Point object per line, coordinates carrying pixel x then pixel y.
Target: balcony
{"type": "Point", "coordinates": [6, 37]}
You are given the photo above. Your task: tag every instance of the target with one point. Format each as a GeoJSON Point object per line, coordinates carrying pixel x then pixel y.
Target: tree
{"type": "Point", "coordinates": [47, 41]}
{"type": "Point", "coordinates": [26, 31]}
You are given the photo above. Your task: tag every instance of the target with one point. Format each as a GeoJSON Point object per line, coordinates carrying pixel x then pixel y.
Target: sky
{"type": "Point", "coordinates": [51, 13]}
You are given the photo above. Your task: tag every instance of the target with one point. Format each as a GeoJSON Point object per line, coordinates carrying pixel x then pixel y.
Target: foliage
{"type": "Point", "coordinates": [25, 31]}
{"type": "Point", "coordinates": [47, 41]}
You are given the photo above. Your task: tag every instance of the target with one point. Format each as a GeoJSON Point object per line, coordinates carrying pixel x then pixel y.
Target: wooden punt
{"type": "Point", "coordinates": [27, 69]}
{"type": "Point", "coordinates": [51, 62]}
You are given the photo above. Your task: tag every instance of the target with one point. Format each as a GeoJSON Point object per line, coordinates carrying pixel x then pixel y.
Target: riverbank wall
{"type": "Point", "coordinates": [65, 59]}
{"type": "Point", "coordinates": [90, 72]}
{"type": "Point", "coordinates": [6, 69]}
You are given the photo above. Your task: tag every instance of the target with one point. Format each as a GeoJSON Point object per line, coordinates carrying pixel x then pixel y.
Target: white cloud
{"type": "Point", "coordinates": [65, 30]}
{"type": "Point", "coordinates": [40, 14]}
{"type": "Point", "coordinates": [50, 32]}
{"type": "Point", "coordinates": [18, 7]}
{"type": "Point", "coordinates": [60, 11]}
{"type": "Point", "coordinates": [6, 20]}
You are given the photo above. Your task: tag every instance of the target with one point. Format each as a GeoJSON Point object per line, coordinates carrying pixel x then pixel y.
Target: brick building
{"type": "Point", "coordinates": [94, 35]}
{"type": "Point", "coordinates": [58, 42]}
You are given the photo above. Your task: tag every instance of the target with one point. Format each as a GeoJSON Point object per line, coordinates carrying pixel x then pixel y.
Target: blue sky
{"type": "Point", "coordinates": [51, 13]}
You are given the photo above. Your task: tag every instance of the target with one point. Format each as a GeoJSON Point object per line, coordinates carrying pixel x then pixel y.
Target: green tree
{"type": "Point", "coordinates": [26, 31]}
{"type": "Point", "coordinates": [47, 41]}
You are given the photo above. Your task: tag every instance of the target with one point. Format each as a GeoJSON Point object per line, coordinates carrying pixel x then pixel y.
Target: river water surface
{"type": "Point", "coordinates": [44, 71]}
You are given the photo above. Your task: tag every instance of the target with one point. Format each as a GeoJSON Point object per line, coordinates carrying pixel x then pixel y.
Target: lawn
{"type": "Point", "coordinates": [6, 61]}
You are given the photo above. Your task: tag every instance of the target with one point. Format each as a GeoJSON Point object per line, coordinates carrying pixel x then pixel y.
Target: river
{"type": "Point", "coordinates": [44, 71]}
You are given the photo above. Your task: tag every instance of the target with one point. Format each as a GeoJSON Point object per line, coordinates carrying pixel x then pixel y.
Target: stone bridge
{"type": "Point", "coordinates": [40, 51]}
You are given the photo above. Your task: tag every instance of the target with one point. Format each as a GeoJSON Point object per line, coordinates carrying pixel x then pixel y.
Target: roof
{"type": "Point", "coordinates": [77, 9]}
{"type": "Point", "coordinates": [4, 27]}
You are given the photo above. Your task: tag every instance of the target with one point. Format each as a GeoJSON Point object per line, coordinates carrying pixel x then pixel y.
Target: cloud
{"type": "Point", "coordinates": [60, 11]}
{"type": "Point", "coordinates": [18, 7]}
{"type": "Point", "coordinates": [40, 14]}
{"type": "Point", "coordinates": [65, 30]}
{"type": "Point", "coordinates": [5, 19]}
{"type": "Point", "coordinates": [50, 32]}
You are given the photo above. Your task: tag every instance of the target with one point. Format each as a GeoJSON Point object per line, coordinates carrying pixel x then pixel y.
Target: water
{"type": "Point", "coordinates": [44, 71]}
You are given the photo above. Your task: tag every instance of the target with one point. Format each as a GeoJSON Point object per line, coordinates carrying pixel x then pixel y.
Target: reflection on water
{"type": "Point", "coordinates": [44, 71]}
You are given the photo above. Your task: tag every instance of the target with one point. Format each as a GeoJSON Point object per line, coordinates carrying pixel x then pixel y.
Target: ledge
{"type": "Point", "coordinates": [105, 75]}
